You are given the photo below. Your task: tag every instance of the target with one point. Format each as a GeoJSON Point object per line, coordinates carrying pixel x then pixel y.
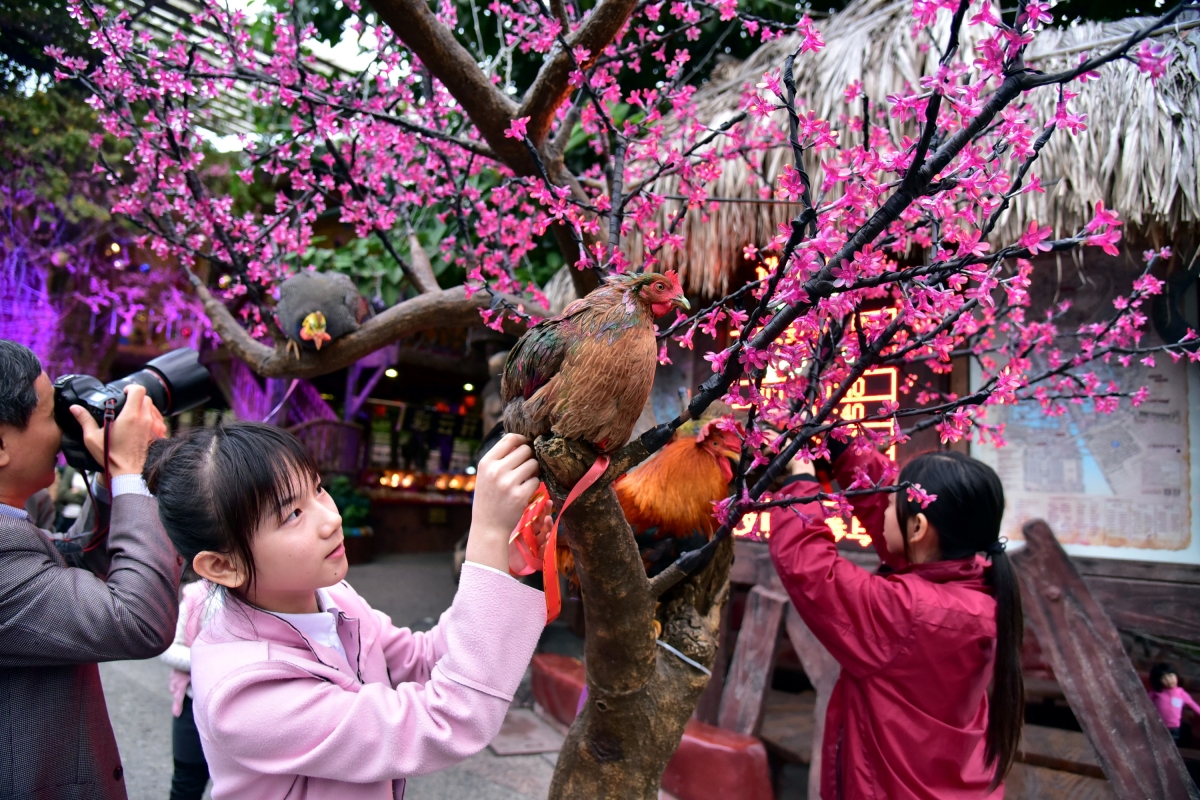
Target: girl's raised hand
{"type": "Point", "coordinates": [506, 479]}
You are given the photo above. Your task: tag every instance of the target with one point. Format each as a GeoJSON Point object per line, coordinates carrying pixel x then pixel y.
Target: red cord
{"type": "Point", "coordinates": [101, 534]}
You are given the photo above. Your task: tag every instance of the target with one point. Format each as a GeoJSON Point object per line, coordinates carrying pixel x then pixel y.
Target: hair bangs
{"type": "Point", "coordinates": [263, 471]}
{"type": "Point", "coordinates": [255, 472]}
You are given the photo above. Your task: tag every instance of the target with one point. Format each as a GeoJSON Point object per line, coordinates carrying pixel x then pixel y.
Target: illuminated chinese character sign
{"type": "Point", "coordinates": [871, 391]}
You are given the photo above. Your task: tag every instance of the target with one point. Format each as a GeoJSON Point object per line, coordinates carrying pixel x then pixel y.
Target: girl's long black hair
{"type": "Point", "coordinates": [966, 515]}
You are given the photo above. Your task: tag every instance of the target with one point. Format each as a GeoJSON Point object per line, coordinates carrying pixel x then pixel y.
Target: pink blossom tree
{"type": "Point", "coordinates": [68, 287]}
{"type": "Point", "coordinates": [905, 223]}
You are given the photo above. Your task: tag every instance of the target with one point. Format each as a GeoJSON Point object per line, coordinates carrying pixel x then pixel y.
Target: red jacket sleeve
{"type": "Point", "coordinates": [868, 508]}
{"type": "Point", "coordinates": [862, 619]}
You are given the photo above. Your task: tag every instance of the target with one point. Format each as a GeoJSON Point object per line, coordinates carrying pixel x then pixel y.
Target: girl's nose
{"type": "Point", "coordinates": [331, 522]}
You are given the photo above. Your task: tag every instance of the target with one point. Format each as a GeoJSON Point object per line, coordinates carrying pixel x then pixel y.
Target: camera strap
{"type": "Point", "coordinates": [101, 534]}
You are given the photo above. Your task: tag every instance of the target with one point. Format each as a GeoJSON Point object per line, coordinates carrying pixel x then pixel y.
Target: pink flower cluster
{"type": "Point", "coordinates": [866, 282]}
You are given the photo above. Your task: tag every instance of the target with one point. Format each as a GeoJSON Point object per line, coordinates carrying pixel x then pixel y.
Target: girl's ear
{"type": "Point", "coordinates": [922, 540]}
{"type": "Point", "coordinates": [219, 568]}
{"type": "Point", "coordinates": [918, 526]}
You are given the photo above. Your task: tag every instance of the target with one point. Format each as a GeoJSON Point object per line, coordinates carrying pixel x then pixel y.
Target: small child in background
{"type": "Point", "coordinates": [1169, 698]}
{"type": "Point", "coordinates": [196, 606]}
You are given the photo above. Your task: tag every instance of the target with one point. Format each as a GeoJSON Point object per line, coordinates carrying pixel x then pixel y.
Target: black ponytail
{"type": "Point", "coordinates": [1006, 711]}
{"type": "Point", "coordinates": [967, 515]}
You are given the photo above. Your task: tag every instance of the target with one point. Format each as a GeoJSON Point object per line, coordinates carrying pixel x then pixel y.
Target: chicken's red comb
{"type": "Point", "coordinates": [673, 277]}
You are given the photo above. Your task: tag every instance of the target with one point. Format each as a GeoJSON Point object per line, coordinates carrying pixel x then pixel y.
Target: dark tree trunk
{"type": "Point", "coordinates": [640, 695]}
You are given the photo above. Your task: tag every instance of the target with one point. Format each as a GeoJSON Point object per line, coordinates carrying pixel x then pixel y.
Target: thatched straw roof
{"type": "Point", "coordinates": [1140, 154]}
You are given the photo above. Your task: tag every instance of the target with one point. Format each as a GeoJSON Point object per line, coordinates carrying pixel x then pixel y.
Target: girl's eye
{"type": "Point", "coordinates": [294, 515]}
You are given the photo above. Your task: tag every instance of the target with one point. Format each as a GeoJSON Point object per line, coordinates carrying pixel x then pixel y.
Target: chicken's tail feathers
{"type": "Point", "coordinates": [566, 567]}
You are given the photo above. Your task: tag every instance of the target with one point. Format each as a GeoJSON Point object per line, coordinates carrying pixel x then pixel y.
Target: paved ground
{"type": "Point", "coordinates": [413, 590]}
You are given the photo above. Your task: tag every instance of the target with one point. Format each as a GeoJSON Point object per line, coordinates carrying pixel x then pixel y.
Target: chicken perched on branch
{"type": "Point", "coordinates": [586, 374]}
{"type": "Point", "coordinates": [318, 307]}
{"type": "Point", "coordinates": [668, 500]}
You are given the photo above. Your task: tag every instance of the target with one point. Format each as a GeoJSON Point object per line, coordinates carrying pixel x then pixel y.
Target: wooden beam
{"type": "Point", "coordinates": [1083, 647]}
{"type": "Point", "coordinates": [1146, 596]}
{"type": "Point", "coordinates": [1065, 751]}
{"type": "Point", "coordinates": [750, 674]}
{"type": "Point", "coordinates": [1153, 571]}
{"type": "Point", "coordinates": [1157, 608]}
{"type": "Point", "coordinates": [1031, 782]}
{"type": "Point", "coordinates": [822, 671]}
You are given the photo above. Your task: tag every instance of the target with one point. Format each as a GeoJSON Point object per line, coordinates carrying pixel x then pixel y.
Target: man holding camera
{"type": "Point", "coordinates": [56, 621]}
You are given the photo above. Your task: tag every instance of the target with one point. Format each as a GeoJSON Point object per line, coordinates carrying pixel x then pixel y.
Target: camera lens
{"type": "Point", "coordinates": [174, 382]}
{"type": "Point", "coordinates": [186, 381]}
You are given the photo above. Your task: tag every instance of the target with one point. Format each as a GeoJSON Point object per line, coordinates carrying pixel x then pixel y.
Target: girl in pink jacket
{"type": "Point", "coordinates": [301, 689]}
{"type": "Point", "coordinates": [1169, 698]}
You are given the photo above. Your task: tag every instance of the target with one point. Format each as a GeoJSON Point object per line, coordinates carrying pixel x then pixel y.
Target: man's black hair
{"type": "Point", "coordinates": [19, 369]}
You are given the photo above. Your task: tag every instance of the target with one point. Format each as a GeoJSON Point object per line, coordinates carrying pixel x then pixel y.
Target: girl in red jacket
{"type": "Point", "coordinates": [920, 640]}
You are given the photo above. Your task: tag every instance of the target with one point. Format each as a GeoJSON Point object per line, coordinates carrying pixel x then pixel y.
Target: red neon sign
{"type": "Point", "coordinates": [864, 398]}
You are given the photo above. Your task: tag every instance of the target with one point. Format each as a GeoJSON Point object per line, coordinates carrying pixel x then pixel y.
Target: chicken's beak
{"type": "Point", "coordinates": [682, 302]}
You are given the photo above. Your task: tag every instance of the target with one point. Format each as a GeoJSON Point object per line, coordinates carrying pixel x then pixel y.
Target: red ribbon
{"type": "Point", "coordinates": [524, 538]}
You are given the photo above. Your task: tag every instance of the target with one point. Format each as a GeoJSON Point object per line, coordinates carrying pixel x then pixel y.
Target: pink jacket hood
{"type": "Point", "coordinates": [281, 716]}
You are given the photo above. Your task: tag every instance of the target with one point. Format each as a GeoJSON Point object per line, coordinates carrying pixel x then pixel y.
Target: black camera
{"type": "Point", "coordinates": [175, 382]}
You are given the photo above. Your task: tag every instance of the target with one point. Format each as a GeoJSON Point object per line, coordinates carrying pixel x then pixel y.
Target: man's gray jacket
{"type": "Point", "coordinates": [56, 623]}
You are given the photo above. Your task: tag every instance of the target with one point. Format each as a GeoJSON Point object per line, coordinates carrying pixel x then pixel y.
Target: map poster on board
{"type": "Point", "coordinates": [1119, 480]}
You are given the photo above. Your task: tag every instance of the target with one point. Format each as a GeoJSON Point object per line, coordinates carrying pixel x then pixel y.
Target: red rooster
{"type": "Point", "coordinates": [668, 500]}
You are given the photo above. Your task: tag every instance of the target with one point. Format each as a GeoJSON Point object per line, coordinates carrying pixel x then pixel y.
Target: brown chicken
{"type": "Point", "coordinates": [586, 374]}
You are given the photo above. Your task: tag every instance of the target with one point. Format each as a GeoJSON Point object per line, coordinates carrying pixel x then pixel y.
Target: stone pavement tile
{"type": "Point", "coordinates": [525, 733]}
{"type": "Point", "coordinates": [485, 776]}
{"type": "Point", "coordinates": [139, 705]}
{"type": "Point", "coordinates": [411, 588]}
{"type": "Point", "coordinates": [528, 776]}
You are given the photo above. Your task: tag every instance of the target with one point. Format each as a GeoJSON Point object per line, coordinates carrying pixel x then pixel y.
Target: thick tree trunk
{"type": "Point", "coordinates": [640, 695]}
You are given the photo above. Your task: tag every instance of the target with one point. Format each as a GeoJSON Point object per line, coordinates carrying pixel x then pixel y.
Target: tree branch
{"type": "Point", "coordinates": [445, 308]}
{"type": "Point", "coordinates": [488, 108]}
{"type": "Point", "coordinates": [422, 268]}
{"type": "Point", "coordinates": [551, 86]}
